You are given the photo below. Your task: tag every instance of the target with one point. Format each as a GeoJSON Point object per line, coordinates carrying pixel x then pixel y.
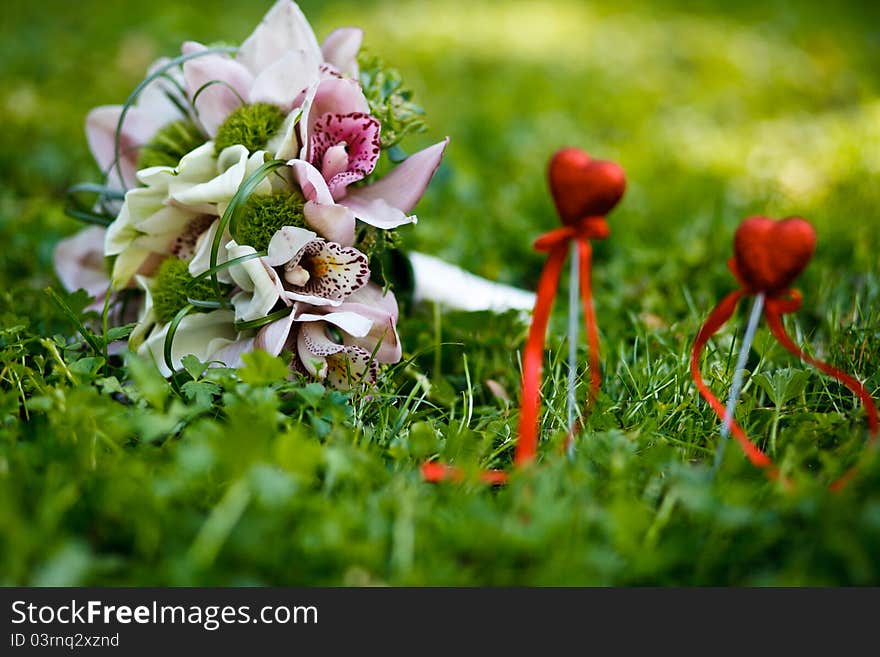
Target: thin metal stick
{"type": "Point", "coordinates": [738, 375]}
{"type": "Point", "coordinates": [573, 324]}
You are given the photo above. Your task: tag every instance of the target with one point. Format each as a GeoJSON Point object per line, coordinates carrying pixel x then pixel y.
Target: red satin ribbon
{"type": "Point", "coordinates": [775, 307]}
{"type": "Point", "coordinates": [557, 244]}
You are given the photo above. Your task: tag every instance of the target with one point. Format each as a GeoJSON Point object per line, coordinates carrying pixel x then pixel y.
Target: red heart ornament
{"type": "Point", "coordinates": [583, 187]}
{"type": "Point", "coordinates": [769, 255]}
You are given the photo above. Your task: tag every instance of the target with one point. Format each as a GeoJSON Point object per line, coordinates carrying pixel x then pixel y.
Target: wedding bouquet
{"type": "Point", "coordinates": [251, 197]}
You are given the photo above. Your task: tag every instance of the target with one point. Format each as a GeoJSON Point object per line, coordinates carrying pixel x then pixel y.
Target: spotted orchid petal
{"type": "Point", "coordinates": [387, 202]}
{"type": "Point", "coordinates": [283, 28]}
{"type": "Point", "coordinates": [341, 47]}
{"type": "Point", "coordinates": [339, 364]}
{"type": "Point", "coordinates": [219, 100]}
{"type": "Point", "coordinates": [346, 148]}
{"type": "Point", "coordinates": [329, 96]}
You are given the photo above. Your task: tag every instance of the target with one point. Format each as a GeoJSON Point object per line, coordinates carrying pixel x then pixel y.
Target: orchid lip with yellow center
{"type": "Point", "coordinates": [325, 271]}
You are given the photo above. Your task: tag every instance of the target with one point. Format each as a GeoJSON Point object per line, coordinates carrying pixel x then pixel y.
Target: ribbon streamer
{"type": "Point", "coordinates": [776, 305]}
{"type": "Point", "coordinates": [557, 244]}
{"type": "Point", "coordinates": [584, 190]}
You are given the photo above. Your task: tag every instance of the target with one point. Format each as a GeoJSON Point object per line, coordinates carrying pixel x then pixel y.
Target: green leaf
{"type": "Point", "coordinates": [262, 368]}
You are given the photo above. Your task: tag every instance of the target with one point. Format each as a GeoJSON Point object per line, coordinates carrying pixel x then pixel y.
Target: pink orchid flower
{"type": "Point", "coordinates": [275, 64]}
{"type": "Point", "coordinates": [386, 203]}
{"type": "Point", "coordinates": [342, 344]}
{"type": "Point", "coordinates": [339, 145]}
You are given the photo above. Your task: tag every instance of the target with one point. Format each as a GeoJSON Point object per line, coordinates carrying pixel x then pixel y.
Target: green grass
{"type": "Point", "coordinates": [109, 475]}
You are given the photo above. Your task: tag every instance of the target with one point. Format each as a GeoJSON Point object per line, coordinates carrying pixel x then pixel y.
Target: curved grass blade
{"type": "Point", "coordinates": [234, 209]}
{"type": "Point", "coordinates": [161, 71]}
{"type": "Point", "coordinates": [169, 336]}
{"type": "Point", "coordinates": [211, 83]}
{"type": "Point", "coordinates": [260, 322]}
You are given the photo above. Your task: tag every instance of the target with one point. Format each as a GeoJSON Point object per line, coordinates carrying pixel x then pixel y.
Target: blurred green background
{"type": "Point", "coordinates": [716, 110]}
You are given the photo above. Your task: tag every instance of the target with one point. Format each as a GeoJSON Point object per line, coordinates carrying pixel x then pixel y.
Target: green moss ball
{"type": "Point", "coordinates": [170, 144]}
{"type": "Point", "coordinates": [249, 125]}
{"type": "Point", "coordinates": [264, 215]}
{"type": "Point", "coordinates": [171, 287]}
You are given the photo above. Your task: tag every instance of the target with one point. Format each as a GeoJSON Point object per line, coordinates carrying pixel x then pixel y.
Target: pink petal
{"type": "Point", "coordinates": [341, 47]}
{"type": "Point", "coordinates": [283, 28]}
{"type": "Point", "coordinates": [335, 223]}
{"type": "Point", "coordinates": [138, 129]}
{"type": "Point", "coordinates": [218, 101]}
{"type": "Point", "coordinates": [377, 212]}
{"type": "Point", "coordinates": [401, 189]}
{"type": "Point", "coordinates": [154, 99]}
{"type": "Point", "coordinates": [330, 96]}
{"type": "Point", "coordinates": [374, 296]}
{"type": "Point", "coordinates": [332, 222]}
{"type": "Point", "coordinates": [79, 262]}
{"type": "Point", "coordinates": [382, 310]}
{"type": "Point", "coordinates": [282, 82]}
{"type": "Point", "coordinates": [311, 182]}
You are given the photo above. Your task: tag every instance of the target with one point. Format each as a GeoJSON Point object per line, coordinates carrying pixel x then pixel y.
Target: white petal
{"type": "Point", "coordinates": [260, 286]}
{"type": "Point", "coordinates": [341, 47]}
{"type": "Point", "coordinates": [273, 337]}
{"type": "Point", "coordinates": [127, 265]}
{"type": "Point", "coordinates": [201, 261]}
{"type": "Point", "coordinates": [286, 243]}
{"type": "Point", "coordinates": [199, 334]}
{"type": "Point", "coordinates": [283, 28]}
{"type": "Point", "coordinates": [352, 323]}
{"type": "Point", "coordinates": [230, 354]}
{"type": "Point", "coordinates": [285, 142]}
{"type": "Point", "coordinates": [231, 168]}
{"type": "Point", "coordinates": [282, 82]}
